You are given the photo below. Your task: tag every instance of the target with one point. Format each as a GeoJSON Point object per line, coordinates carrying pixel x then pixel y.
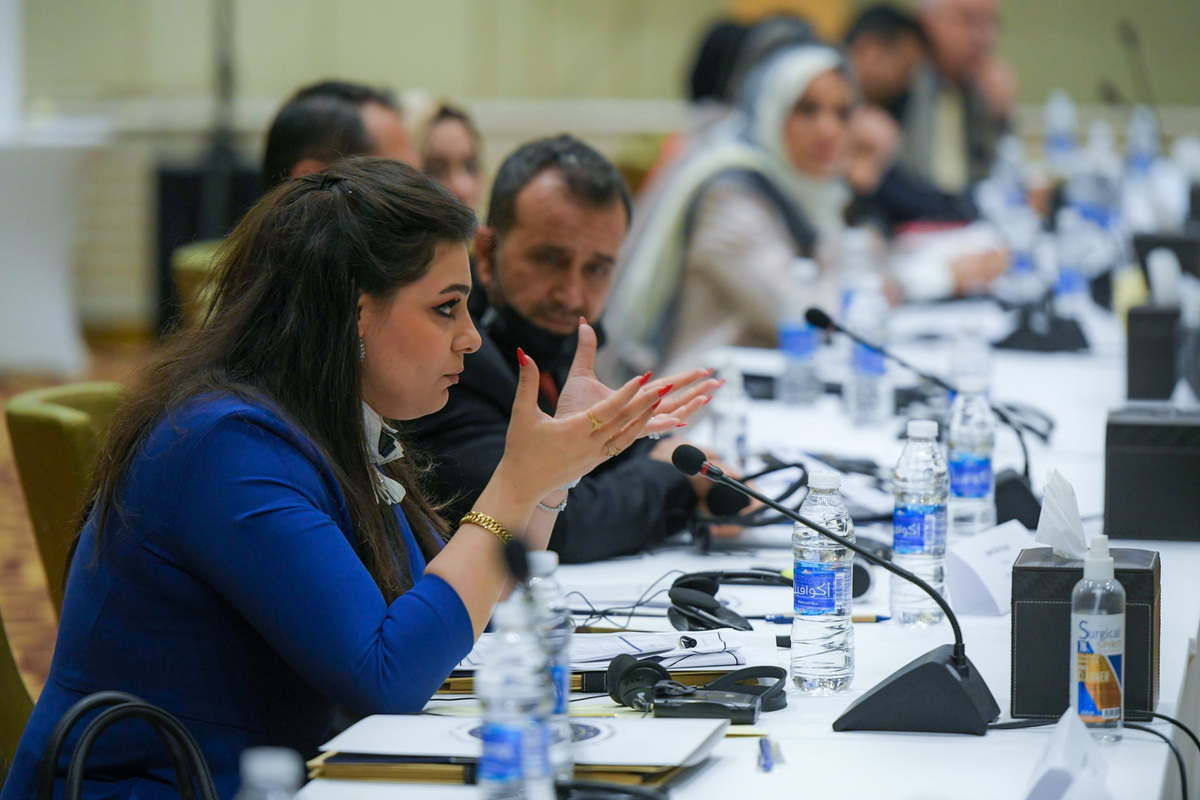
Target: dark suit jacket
{"type": "Point", "coordinates": [624, 505]}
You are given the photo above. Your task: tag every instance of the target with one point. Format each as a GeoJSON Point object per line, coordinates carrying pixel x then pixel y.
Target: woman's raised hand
{"type": "Point", "coordinates": [546, 452]}
{"type": "Point", "coordinates": [682, 394]}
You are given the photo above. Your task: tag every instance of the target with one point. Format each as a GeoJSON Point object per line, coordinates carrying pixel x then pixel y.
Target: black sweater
{"type": "Point", "coordinates": [623, 506]}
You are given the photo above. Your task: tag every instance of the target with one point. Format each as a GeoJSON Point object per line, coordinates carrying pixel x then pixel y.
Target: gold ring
{"type": "Point", "coordinates": [611, 449]}
{"type": "Point", "coordinates": [596, 424]}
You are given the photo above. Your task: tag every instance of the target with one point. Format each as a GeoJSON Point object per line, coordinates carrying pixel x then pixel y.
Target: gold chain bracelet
{"type": "Point", "coordinates": [488, 524]}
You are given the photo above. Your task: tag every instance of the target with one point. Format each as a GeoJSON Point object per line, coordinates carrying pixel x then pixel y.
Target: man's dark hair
{"type": "Point", "coordinates": [591, 178]}
{"type": "Point", "coordinates": [887, 23]}
{"type": "Point", "coordinates": [715, 60]}
{"type": "Point", "coordinates": [321, 121]}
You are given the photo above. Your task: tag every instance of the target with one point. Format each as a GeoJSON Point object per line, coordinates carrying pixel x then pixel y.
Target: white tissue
{"type": "Point", "coordinates": [1060, 525]}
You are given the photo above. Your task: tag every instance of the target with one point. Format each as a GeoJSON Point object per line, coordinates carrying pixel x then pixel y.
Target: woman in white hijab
{"type": "Point", "coordinates": [706, 263]}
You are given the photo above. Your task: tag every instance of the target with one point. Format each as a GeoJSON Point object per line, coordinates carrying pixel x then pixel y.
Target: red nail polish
{"type": "Point", "coordinates": [720, 383]}
{"type": "Point", "coordinates": [708, 400]}
{"type": "Point", "coordinates": [521, 357]}
{"type": "Point", "coordinates": [656, 405]}
{"type": "Point", "coordinates": [642, 380]}
{"type": "Point", "coordinates": [663, 392]}
{"type": "Point", "coordinates": [681, 425]}
{"type": "Point", "coordinates": [711, 370]}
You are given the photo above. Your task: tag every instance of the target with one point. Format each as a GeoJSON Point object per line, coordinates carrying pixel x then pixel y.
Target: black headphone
{"type": "Point", "coordinates": [694, 606]}
{"type": "Point", "coordinates": [637, 683]}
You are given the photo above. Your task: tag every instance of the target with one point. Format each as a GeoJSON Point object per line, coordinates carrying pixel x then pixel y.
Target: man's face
{"type": "Point", "coordinates": [390, 134]}
{"type": "Point", "coordinates": [884, 69]}
{"type": "Point", "coordinates": [963, 34]}
{"type": "Point", "coordinates": [558, 261]}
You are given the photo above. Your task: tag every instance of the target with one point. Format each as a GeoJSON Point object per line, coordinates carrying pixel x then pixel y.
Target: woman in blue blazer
{"type": "Point", "coordinates": [258, 551]}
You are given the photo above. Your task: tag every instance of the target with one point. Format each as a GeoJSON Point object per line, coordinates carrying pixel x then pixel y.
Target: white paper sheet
{"type": "Point", "coordinates": [613, 741]}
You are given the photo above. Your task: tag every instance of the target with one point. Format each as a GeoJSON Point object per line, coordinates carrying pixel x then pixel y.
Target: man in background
{"type": "Point", "coordinates": [330, 120]}
{"type": "Point", "coordinates": [547, 256]}
{"type": "Point", "coordinates": [961, 100]}
{"type": "Point", "coordinates": [885, 46]}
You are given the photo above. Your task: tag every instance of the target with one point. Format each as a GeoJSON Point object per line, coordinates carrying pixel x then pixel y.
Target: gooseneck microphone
{"type": "Point", "coordinates": [940, 692]}
{"type": "Point", "coordinates": [819, 319]}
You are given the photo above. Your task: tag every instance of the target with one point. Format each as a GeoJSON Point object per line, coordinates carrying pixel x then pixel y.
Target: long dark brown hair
{"type": "Point", "coordinates": [283, 331]}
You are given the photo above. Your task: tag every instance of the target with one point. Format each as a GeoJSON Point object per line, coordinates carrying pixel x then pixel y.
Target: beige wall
{"type": "Point", "coordinates": [97, 49]}
{"type": "Point", "coordinates": [607, 70]}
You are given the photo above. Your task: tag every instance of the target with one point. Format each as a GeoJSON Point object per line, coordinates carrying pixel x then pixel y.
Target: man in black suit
{"type": "Point", "coordinates": [547, 257]}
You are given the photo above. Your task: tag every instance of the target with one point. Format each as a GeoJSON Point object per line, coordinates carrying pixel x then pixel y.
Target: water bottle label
{"type": "Point", "coordinates": [1099, 652]}
{"type": "Point", "coordinates": [819, 589]}
{"type": "Point", "coordinates": [798, 341]}
{"type": "Point", "coordinates": [919, 529]}
{"type": "Point", "coordinates": [511, 753]}
{"type": "Point", "coordinates": [561, 675]}
{"type": "Point", "coordinates": [970, 475]}
{"type": "Point", "coordinates": [867, 361]}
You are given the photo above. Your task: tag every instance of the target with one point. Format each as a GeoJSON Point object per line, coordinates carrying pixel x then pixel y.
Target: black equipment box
{"type": "Point", "coordinates": [1150, 370]}
{"type": "Point", "coordinates": [1152, 473]}
{"type": "Point", "coordinates": [1042, 583]}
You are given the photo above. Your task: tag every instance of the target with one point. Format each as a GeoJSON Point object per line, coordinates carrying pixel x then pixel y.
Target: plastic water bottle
{"type": "Point", "coordinates": [554, 625]}
{"type": "Point", "coordinates": [517, 699]}
{"type": "Point", "coordinates": [1059, 121]}
{"type": "Point", "coordinates": [971, 355]}
{"type": "Point", "coordinates": [729, 411]}
{"type": "Point", "coordinates": [866, 394]}
{"type": "Point", "coordinates": [797, 339]}
{"type": "Point", "coordinates": [971, 435]}
{"type": "Point", "coordinates": [270, 773]}
{"type": "Point", "coordinates": [922, 487]}
{"type": "Point", "coordinates": [822, 583]}
{"type": "Point", "coordinates": [1098, 645]}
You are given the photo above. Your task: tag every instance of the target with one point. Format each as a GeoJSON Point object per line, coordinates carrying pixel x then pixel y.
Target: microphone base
{"type": "Point", "coordinates": [927, 695]}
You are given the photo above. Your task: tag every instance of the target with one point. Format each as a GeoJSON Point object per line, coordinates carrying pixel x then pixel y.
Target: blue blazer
{"type": "Point", "coordinates": [230, 593]}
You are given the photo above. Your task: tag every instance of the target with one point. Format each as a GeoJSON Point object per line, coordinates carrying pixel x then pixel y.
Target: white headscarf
{"type": "Point", "coordinates": [751, 140]}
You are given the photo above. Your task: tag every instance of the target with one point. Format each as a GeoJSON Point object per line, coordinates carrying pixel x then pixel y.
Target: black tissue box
{"type": "Point", "coordinates": [1151, 471]}
{"type": "Point", "coordinates": [1041, 638]}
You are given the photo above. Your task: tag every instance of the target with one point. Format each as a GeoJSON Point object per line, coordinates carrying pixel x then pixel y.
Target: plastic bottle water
{"type": "Point", "coordinates": [1098, 645]}
{"type": "Point", "coordinates": [270, 773]}
{"type": "Point", "coordinates": [517, 699]}
{"type": "Point", "coordinates": [866, 394]}
{"type": "Point", "coordinates": [797, 339]}
{"type": "Point", "coordinates": [822, 630]}
{"type": "Point", "coordinates": [971, 435]}
{"type": "Point", "coordinates": [1059, 121]}
{"type": "Point", "coordinates": [971, 356]}
{"type": "Point", "coordinates": [729, 411]}
{"type": "Point", "coordinates": [554, 625]}
{"type": "Point", "coordinates": [922, 486]}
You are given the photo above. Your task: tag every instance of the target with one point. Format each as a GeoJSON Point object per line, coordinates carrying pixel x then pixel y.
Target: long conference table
{"type": "Point", "coordinates": [1077, 390]}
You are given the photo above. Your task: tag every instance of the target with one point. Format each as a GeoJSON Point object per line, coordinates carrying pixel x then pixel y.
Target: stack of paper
{"type": "Point", "coordinates": [435, 749]}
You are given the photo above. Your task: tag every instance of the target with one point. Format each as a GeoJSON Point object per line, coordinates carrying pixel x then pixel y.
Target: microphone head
{"type": "Point", "coordinates": [819, 319]}
{"type": "Point", "coordinates": [517, 559]}
{"type": "Point", "coordinates": [725, 501]}
{"type": "Point", "coordinates": [688, 459]}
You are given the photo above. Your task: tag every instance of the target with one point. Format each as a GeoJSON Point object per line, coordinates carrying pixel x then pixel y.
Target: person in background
{"type": "Point", "coordinates": [259, 550]}
{"type": "Point", "coordinates": [329, 120]}
{"type": "Point", "coordinates": [547, 256]}
{"type": "Point", "coordinates": [961, 100]}
{"type": "Point", "coordinates": [884, 46]}
{"type": "Point", "coordinates": [709, 262]}
{"type": "Point", "coordinates": [450, 154]}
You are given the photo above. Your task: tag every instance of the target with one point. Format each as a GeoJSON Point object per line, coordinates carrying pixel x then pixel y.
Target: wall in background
{"type": "Point", "coordinates": [611, 71]}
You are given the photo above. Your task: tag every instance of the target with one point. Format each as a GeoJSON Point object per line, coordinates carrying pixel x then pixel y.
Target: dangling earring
{"type": "Point", "coordinates": [362, 351]}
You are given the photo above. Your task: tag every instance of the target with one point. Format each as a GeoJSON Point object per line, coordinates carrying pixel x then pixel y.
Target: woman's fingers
{"type": "Point", "coordinates": [678, 399]}
{"type": "Point", "coordinates": [585, 351]}
{"type": "Point", "coordinates": [525, 402]}
{"type": "Point", "coordinates": [682, 379]}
